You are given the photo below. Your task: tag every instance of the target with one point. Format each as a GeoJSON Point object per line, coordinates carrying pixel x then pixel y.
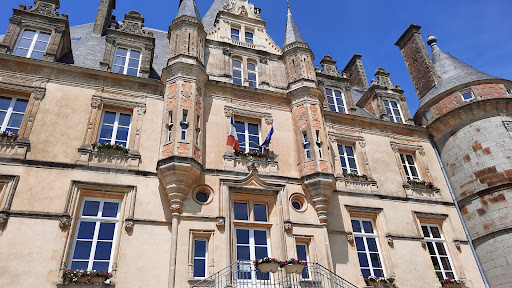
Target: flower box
{"type": "Point", "coordinates": [256, 154]}
{"type": "Point", "coordinates": [380, 281]}
{"type": "Point", "coordinates": [268, 267]}
{"type": "Point", "coordinates": [84, 276]}
{"type": "Point", "coordinates": [353, 176]}
{"type": "Point", "coordinates": [421, 184]}
{"type": "Point", "coordinates": [454, 285]}
{"type": "Point", "coordinates": [7, 136]}
{"type": "Point", "coordinates": [92, 280]}
{"type": "Point", "coordinates": [110, 148]}
{"type": "Point", "coordinates": [294, 268]}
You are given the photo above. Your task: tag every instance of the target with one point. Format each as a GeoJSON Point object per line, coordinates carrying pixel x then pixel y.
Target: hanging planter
{"type": "Point", "coordinates": [267, 264]}
{"type": "Point", "coordinates": [293, 266]}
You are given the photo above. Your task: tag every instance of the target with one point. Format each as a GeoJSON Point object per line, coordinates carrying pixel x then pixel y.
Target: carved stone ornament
{"type": "Point", "coordinates": [128, 225]}
{"type": "Point", "coordinates": [268, 119]}
{"type": "Point", "coordinates": [332, 138]}
{"type": "Point", "coordinates": [64, 221]}
{"type": "Point", "coordinates": [242, 7]}
{"type": "Point", "coordinates": [422, 152]}
{"type": "Point", "coordinates": [45, 8]}
{"type": "Point", "coordinates": [423, 243]}
{"type": "Point", "coordinates": [39, 93]}
{"type": "Point", "coordinates": [133, 23]}
{"type": "Point", "coordinates": [141, 108]}
{"type": "Point", "coordinates": [457, 244]}
{"type": "Point", "coordinates": [394, 147]}
{"type": "Point", "coordinates": [226, 52]}
{"type": "Point", "coordinates": [508, 125]}
{"type": "Point", "coordinates": [228, 112]}
{"type": "Point", "coordinates": [221, 221]}
{"type": "Point", "coordinates": [362, 143]}
{"type": "Point", "coordinates": [390, 240]}
{"type": "Point", "coordinates": [176, 208]}
{"type": "Point", "coordinates": [95, 102]}
{"type": "Point", "coordinates": [350, 239]}
{"type": "Point", "coordinates": [288, 226]}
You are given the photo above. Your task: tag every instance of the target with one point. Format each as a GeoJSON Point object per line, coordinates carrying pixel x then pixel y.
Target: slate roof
{"type": "Point", "coordinates": [356, 95]}
{"type": "Point", "coordinates": [292, 32]}
{"type": "Point", "coordinates": [188, 8]}
{"type": "Point", "coordinates": [88, 49]}
{"type": "Point", "coordinates": [211, 15]}
{"type": "Point", "coordinates": [452, 72]}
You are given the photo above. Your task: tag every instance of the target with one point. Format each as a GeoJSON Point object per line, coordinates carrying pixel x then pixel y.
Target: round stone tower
{"type": "Point", "coordinates": [469, 115]}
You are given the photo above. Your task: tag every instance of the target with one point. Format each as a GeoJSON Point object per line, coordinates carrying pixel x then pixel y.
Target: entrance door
{"type": "Point", "coordinates": [252, 244]}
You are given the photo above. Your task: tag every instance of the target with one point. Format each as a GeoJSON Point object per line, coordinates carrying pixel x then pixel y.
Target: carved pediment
{"type": "Point", "coordinates": [243, 8]}
{"type": "Point", "coordinates": [46, 8]}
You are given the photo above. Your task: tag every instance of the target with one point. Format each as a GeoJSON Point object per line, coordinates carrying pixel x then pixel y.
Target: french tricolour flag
{"type": "Point", "coordinates": [232, 138]}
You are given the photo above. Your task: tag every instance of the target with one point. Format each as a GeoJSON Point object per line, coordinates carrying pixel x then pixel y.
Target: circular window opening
{"type": "Point", "coordinates": [202, 197]}
{"type": "Point", "coordinates": [297, 205]}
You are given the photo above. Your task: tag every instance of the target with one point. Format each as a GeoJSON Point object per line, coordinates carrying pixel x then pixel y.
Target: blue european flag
{"type": "Point", "coordinates": [269, 137]}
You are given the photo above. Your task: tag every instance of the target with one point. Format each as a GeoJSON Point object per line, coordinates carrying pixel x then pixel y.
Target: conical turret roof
{"type": "Point", "coordinates": [452, 72]}
{"type": "Point", "coordinates": [188, 8]}
{"type": "Point", "coordinates": [292, 32]}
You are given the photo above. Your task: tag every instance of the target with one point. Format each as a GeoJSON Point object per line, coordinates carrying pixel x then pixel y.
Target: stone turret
{"type": "Point", "coordinates": [469, 113]}
{"type": "Point", "coordinates": [181, 152]}
{"type": "Point", "coordinates": [314, 168]}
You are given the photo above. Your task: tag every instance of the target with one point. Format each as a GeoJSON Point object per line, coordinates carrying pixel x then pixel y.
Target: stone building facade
{"type": "Point", "coordinates": [113, 157]}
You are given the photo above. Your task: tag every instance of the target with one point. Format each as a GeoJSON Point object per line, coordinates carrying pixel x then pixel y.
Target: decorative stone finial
{"type": "Point", "coordinates": [431, 40]}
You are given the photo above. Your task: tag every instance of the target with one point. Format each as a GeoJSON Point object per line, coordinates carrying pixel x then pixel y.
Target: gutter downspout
{"type": "Point", "coordinates": [458, 212]}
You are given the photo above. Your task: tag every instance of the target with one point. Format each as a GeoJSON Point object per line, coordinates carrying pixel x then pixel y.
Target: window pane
{"type": "Point", "coordinates": [37, 55]}
{"type": "Point", "coordinates": [118, 69]}
{"type": "Point", "coordinates": [243, 253]}
{"type": "Point", "coordinates": [352, 163]}
{"type": "Point", "coordinates": [368, 227]}
{"type": "Point", "coordinates": [260, 212]}
{"type": "Point", "coordinates": [261, 251]}
{"type": "Point", "coordinates": [241, 212]}
{"type": "Point", "coordinates": [237, 81]}
{"type": "Point", "coordinates": [242, 236]}
{"type": "Point", "coordinates": [20, 105]}
{"type": "Point", "coordinates": [132, 72]}
{"type": "Point", "coordinates": [446, 263]}
{"type": "Point", "coordinates": [82, 250]}
{"type": "Point", "coordinates": [91, 208]}
{"type": "Point", "coordinates": [366, 273]}
{"type": "Point", "coordinates": [435, 232]}
{"type": "Point", "coordinates": [199, 268]}
{"type": "Point", "coordinates": [363, 260]}
{"type": "Point", "coordinates": [450, 275]}
{"type": "Point", "coordinates": [349, 150]}
{"type": "Point", "coordinates": [121, 52]}
{"type": "Point", "coordinates": [375, 260]}
{"type": "Point", "coordinates": [79, 265]}
{"type": "Point", "coordinates": [28, 34]}
{"type": "Point", "coordinates": [378, 273]}
{"type": "Point", "coordinates": [135, 55]}
{"type": "Point", "coordinates": [106, 231]}
{"type": "Point", "coordinates": [360, 244]}
{"type": "Point", "coordinates": [5, 103]}
{"type": "Point", "coordinates": [86, 230]}
{"type": "Point", "coordinates": [133, 63]}
{"type": "Point", "coordinates": [260, 237]}
{"type": "Point", "coordinates": [440, 248]}
{"type": "Point", "coordinates": [123, 143]}
{"type": "Point", "coordinates": [120, 61]}
{"type": "Point", "coordinates": [237, 64]}
{"type": "Point", "coordinates": [251, 66]}
{"type": "Point", "coordinates": [251, 76]}
{"type": "Point", "coordinates": [25, 43]}
{"type": "Point", "coordinates": [122, 134]}
{"type": "Point", "coordinates": [199, 248]}
{"type": "Point", "coordinates": [21, 52]}
{"type": "Point", "coordinates": [106, 132]}
{"type": "Point", "coordinates": [109, 117]}
{"type": "Point", "coordinates": [44, 37]}
{"type": "Point", "coordinates": [425, 231]}
{"type": "Point", "coordinates": [2, 117]}
{"type": "Point", "coordinates": [372, 245]}
{"type": "Point", "coordinates": [15, 120]}
{"type": "Point", "coordinates": [431, 250]}
{"type": "Point", "coordinates": [237, 74]}
{"type": "Point", "coordinates": [436, 263]}
{"type": "Point", "coordinates": [253, 129]}
{"type": "Point", "coordinates": [356, 226]}
{"type": "Point", "coordinates": [100, 266]}
{"type": "Point", "coordinates": [103, 250]}
{"type": "Point", "coordinates": [301, 252]}
{"type": "Point", "coordinates": [40, 46]}
{"type": "Point", "coordinates": [110, 209]}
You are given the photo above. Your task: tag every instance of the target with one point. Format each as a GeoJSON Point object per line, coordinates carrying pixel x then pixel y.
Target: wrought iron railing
{"type": "Point", "coordinates": [245, 275]}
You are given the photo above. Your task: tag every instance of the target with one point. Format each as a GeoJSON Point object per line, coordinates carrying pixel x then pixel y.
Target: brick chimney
{"type": "Point", "coordinates": [104, 16]}
{"type": "Point", "coordinates": [417, 60]}
{"type": "Point", "coordinates": [355, 71]}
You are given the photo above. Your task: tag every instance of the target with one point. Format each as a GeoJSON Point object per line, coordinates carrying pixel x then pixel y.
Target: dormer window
{"type": "Point", "coordinates": [237, 72]}
{"type": "Point", "coordinates": [235, 34]}
{"type": "Point", "coordinates": [126, 61]}
{"type": "Point", "coordinates": [249, 37]}
{"type": "Point", "coordinates": [32, 44]}
{"type": "Point", "coordinates": [336, 100]}
{"type": "Point", "coordinates": [393, 111]}
{"type": "Point", "coordinates": [252, 74]}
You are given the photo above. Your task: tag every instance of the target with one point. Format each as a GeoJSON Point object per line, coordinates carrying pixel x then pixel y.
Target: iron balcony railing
{"type": "Point", "coordinates": [244, 275]}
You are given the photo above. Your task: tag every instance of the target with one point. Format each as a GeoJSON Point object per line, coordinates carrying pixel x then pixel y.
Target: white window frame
{"type": "Point", "coordinates": [36, 36]}
{"type": "Point", "coordinates": [306, 145]}
{"type": "Point", "coordinates": [393, 111]}
{"type": "Point", "coordinates": [184, 116]}
{"type": "Point", "coordinates": [367, 251]}
{"type": "Point", "coordinates": [9, 112]}
{"type": "Point", "coordinates": [231, 31]}
{"type": "Point", "coordinates": [241, 69]}
{"type": "Point", "coordinates": [252, 38]}
{"type": "Point", "coordinates": [246, 147]}
{"type": "Point", "coordinates": [306, 245]}
{"type": "Point", "coordinates": [254, 215]}
{"type": "Point", "coordinates": [408, 173]}
{"type": "Point", "coordinates": [97, 229]}
{"type": "Point", "coordinates": [333, 95]}
{"type": "Point", "coordinates": [255, 72]}
{"type": "Point", "coordinates": [252, 252]}
{"type": "Point", "coordinates": [116, 125]}
{"type": "Point", "coordinates": [345, 157]}
{"type": "Point", "coordinates": [438, 256]}
{"type": "Point", "coordinates": [128, 54]}
{"type": "Point", "coordinates": [205, 258]}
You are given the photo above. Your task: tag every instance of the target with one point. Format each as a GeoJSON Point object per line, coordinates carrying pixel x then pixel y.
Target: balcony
{"type": "Point", "coordinates": [244, 275]}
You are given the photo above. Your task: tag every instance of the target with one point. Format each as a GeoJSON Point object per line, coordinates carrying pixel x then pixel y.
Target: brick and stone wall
{"type": "Point", "coordinates": [478, 161]}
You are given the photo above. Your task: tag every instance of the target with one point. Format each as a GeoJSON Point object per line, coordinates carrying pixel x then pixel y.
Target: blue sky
{"type": "Point", "coordinates": [475, 31]}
